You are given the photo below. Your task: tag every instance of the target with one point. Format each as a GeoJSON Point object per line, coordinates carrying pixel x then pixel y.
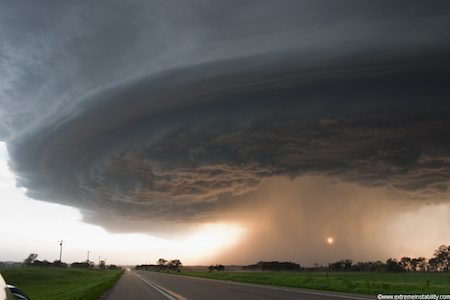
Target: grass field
{"type": "Point", "coordinates": [60, 283]}
{"type": "Point", "coordinates": [353, 282]}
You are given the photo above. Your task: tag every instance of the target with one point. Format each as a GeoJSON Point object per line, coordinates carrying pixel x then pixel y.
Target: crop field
{"type": "Point", "coordinates": [354, 282]}
{"type": "Point", "coordinates": [61, 283]}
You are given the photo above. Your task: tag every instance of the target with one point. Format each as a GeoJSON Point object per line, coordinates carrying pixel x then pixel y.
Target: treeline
{"type": "Point", "coordinates": [438, 263]}
{"type": "Point", "coordinates": [32, 261]}
{"type": "Point", "coordinates": [273, 266]}
{"type": "Point", "coordinates": [217, 268]}
{"type": "Point", "coordinates": [162, 265]}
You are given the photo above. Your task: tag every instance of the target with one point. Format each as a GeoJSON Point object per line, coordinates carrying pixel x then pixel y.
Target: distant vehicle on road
{"type": "Point", "coordinates": [10, 292]}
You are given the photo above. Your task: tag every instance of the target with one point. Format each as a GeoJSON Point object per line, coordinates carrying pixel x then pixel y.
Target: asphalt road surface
{"type": "Point", "coordinates": [140, 285]}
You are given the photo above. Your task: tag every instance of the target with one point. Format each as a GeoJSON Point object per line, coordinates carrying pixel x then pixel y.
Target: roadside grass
{"type": "Point", "coordinates": [370, 283]}
{"type": "Point", "coordinates": [60, 283]}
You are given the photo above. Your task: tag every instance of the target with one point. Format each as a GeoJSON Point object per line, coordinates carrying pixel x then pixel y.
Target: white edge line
{"type": "Point", "coordinates": [158, 288]}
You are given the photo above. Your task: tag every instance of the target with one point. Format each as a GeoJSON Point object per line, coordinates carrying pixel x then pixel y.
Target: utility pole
{"type": "Point", "coordinates": [88, 256]}
{"type": "Point", "coordinates": [60, 249]}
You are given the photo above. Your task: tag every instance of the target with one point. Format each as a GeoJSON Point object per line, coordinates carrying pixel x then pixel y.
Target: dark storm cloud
{"type": "Point", "coordinates": [174, 111]}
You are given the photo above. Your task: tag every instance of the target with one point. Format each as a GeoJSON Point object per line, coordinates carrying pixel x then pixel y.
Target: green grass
{"type": "Point", "coordinates": [351, 282]}
{"type": "Point", "coordinates": [60, 283]}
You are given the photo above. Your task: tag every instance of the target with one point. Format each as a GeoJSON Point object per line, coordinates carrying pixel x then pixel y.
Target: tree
{"type": "Point", "coordinates": [420, 264]}
{"type": "Point", "coordinates": [442, 256]}
{"type": "Point", "coordinates": [433, 264]}
{"type": "Point", "coordinates": [336, 266]}
{"type": "Point", "coordinates": [114, 267]}
{"type": "Point", "coordinates": [392, 265]}
{"type": "Point", "coordinates": [82, 265]}
{"type": "Point", "coordinates": [216, 267]}
{"type": "Point", "coordinates": [43, 263]}
{"type": "Point", "coordinates": [175, 265]}
{"type": "Point", "coordinates": [30, 259]}
{"type": "Point", "coordinates": [405, 263]}
{"type": "Point", "coordinates": [59, 264]}
{"type": "Point", "coordinates": [344, 264]}
{"type": "Point", "coordinates": [162, 264]}
{"type": "Point", "coordinates": [102, 265]}
{"type": "Point", "coordinates": [347, 264]}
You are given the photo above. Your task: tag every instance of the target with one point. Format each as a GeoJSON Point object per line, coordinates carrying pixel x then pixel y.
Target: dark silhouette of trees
{"type": "Point", "coordinates": [102, 265]}
{"type": "Point", "coordinates": [368, 266]}
{"type": "Point", "coordinates": [163, 264]}
{"type": "Point", "coordinates": [59, 264]}
{"type": "Point", "coordinates": [442, 257]}
{"type": "Point", "coordinates": [114, 267]}
{"type": "Point", "coordinates": [89, 265]}
{"type": "Point", "coordinates": [82, 265]}
{"type": "Point", "coordinates": [30, 259]}
{"type": "Point", "coordinates": [336, 266]}
{"type": "Point", "coordinates": [433, 265]}
{"type": "Point", "coordinates": [174, 265]}
{"type": "Point", "coordinates": [42, 264]}
{"type": "Point", "coordinates": [274, 266]}
{"type": "Point", "coordinates": [147, 267]}
{"type": "Point", "coordinates": [419, 264]}
{"type": "Point", "coordinates": [438, 263]}
{"type": "Point", "coordinates": [392, 265]}
{"type": "Point", "coordinates": [342, 265]}
{"type": "Point", "coordinates": [405, 263]}
{"type": "Point", "coordinates": [216, 267]}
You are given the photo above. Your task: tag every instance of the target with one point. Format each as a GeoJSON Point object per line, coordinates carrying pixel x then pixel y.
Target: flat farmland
{"type": "Point", "coordinates": [370, 283]}
{"type": "Point", "coordinates": [61, 283]}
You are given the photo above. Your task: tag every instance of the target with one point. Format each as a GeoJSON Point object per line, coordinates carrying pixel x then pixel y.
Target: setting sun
{"type": "Point", "coordinates": [330, 240]}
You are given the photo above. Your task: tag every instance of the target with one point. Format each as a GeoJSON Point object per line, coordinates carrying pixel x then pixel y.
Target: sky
{"type": "Point", "coordinates": [224, 131]}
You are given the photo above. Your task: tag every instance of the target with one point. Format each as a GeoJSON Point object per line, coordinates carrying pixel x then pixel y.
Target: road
{"type": "Point", "coordinates": [140, 285]}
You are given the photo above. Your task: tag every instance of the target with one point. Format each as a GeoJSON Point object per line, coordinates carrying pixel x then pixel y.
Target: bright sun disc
{"type": "Point", "coordinates": [330, 240]}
